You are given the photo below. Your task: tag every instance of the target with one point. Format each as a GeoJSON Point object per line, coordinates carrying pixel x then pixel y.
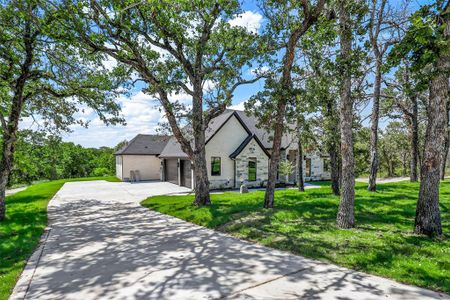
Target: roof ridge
{"type": "Point", "coordinates": [128, 144]}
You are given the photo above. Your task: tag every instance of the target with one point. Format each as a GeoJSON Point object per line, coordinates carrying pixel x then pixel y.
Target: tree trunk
{"type": "Point", "coordinates": [199, 156]}
{"type": "Point", "coordinates": [5, 169]}
{"type": "Point", "coordinates": [333, 150]}
{"type": "Point", "coordinates": [428, 218]}
{"type": "Point", "coordinates": [269, 196]}
{"type": "Point", "coordinates": [201, 180]}
{"type": "Point", "coordinates": [334, 165]}
{"type": "Point", "coordinates": [374, 129]}
{"type": "Point", "coordinates": [414, 140]}
{"type": "Point", "coordinates": [444, 156]}
{"type": "Point", "coordinates": [345, 217]}
{"type": "Point", "coordinates": [288, 61]}
{"type": "Point", "coordinates": [390, 168]}
{"type": "Point", "coordinates": [404, 164]}
{"type": "Point", "coordinates": [9, 133]}
{"type": "Point", "coordinates": [300, 179]}
{"type": "Point", "coordinates": [8, 147]}
{"type": "Point", "coordinates": [446, 146]}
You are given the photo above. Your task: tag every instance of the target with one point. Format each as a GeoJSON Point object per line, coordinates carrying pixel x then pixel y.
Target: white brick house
{"type": "Point", "coordinates": [236, 151]}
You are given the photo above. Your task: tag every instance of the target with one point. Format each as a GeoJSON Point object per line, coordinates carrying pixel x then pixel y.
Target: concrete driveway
{"type": "Point", "coordinates": [102, 244]}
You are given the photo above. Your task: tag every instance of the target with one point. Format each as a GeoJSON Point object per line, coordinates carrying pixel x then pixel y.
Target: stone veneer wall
{"type": "Point", "coordinates": [252, 150]}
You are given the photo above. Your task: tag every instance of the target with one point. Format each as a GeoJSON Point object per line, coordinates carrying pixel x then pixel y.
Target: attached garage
{"type": "Point", "coordinates": [171, 170]}
{"type": "Point", "coordinates": [141, 156]}
{"type": "Point", "coordinates": [178, 171]}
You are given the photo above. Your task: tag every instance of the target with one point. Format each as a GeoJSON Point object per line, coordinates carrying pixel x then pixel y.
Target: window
{"type": "Point", "coordinates": [215, 166]}
{"type": "Point", "coordinates": [326, 165]}
{"type": "Point", "coordinates": [252, 169]}
{"type": "Point", "coordinates": [308, 167]}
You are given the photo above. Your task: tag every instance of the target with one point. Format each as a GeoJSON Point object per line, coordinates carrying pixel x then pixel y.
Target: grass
{"type": "Point", "coordinates": [304, 223]}
{"type": "Point", "coordinates": [26, 218]}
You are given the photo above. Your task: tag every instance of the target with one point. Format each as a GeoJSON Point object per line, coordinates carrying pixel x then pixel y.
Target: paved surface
{"type": "Point", "coordinates": [13, 191]}
{"type": "Point", "coordinates": [103, 245]}
{"type": "Point", "coordinates": [383, 180]}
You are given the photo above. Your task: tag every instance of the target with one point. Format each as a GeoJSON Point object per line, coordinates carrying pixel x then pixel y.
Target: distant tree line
{"type": "Point", "coordinates": [40, 156]}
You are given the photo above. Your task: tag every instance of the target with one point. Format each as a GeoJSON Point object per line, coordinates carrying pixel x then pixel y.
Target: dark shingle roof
{"type": "Point", "coordinates": [145, 144]}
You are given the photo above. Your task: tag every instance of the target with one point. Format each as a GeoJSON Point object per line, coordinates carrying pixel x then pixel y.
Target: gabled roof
{"type": "Point", "coordinates": [145, 144]}
{"type": "Point", "coordinates": [173, 148]}
{"type": "Point", "coordinates": [263, 135]}
{"type": "Point", "coordinates": [264, 138]}
{"type": "Point", "coordinates": [245, 143]}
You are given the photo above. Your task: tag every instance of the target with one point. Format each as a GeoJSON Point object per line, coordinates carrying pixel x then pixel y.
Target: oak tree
{"type": "Point", "coordinates": [175, 48]}
{"type": "Point", "coordinates": [44, 78]}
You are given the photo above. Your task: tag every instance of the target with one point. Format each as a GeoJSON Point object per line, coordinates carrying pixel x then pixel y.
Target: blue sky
{"type": "Point", "coordinates": [142, 111]}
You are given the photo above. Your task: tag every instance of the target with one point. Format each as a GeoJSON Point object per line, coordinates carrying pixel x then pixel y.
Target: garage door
{"type": "Point", "coordinates": [172, 170]}
{"type": "Point", "coordinates": [186, 175]}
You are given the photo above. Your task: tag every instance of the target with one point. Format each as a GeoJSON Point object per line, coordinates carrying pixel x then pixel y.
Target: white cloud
{"type": "Point", "coordinates": [259, 70]}
{"type": "Point", "coordinates": [249, 20]}
{"type": "Point", "coordinates": [109, 63]}
{"type": "Point", "coordinates": [238, 106]}
{"type": "Point", "coordinates": [142, 113]}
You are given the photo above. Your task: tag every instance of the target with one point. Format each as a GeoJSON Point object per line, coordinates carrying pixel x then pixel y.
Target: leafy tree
{"type": "Point", "coordinates": [321, 92]}
{"type": "Point", "coordinates": [361, 149]}
{"type": "Point", "coordinates": [174, 47]}
{"type": "Point", "coordinates": [405, 99]}
{"type": "Point", "coordinates": [394, 149]}
{"type": "Point", "coordinates": [382, 35]}
{"type": "Point", "coordinates": [426, 45]}
{"type": "Point", "coordinates": [43, 76]}
{"type": "Point", "coordinates": [288, 22]}
{"type": "Point", "coordinates": [286, 168]}
{"type": "Point", "coordinates": [39, 155]}
{"type": "Point", "coordinates": [345, 216]}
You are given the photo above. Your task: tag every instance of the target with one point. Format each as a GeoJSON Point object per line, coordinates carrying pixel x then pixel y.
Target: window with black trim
{"type": "Point", "coordinates": [252, 169]}
{"type": "Point", "coordinates": [215, 166]}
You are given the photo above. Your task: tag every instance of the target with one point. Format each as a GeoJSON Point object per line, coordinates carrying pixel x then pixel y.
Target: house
{"type": "Point", "coordinates": [236, 151]}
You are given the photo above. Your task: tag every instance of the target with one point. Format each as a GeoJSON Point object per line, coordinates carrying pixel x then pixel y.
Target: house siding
{"type": "Point", "coordinates": [148, 166]}
{"type": "Point", "coordinates": [222, 144]}
{"type": "Point", "coordinates": [119, 166]}
{"type": "Point", "coordinates": [252, 150]}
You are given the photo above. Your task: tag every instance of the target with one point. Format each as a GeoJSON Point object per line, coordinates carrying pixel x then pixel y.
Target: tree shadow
{"type": "Point", "coordinates": [99, 249]}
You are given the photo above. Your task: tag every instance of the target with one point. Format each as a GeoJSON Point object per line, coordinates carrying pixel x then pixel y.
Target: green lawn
{"type": "Point", "coordinates": [26, 218]}
{"type": "Point", "coordinates": [304, 223]}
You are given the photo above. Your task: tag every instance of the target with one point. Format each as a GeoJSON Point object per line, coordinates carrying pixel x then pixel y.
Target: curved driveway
{"type": "Point", "coordinates": [101, 244]}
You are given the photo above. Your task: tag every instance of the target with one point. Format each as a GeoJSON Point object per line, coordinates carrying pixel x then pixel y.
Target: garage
{"type": "Point", "coordinates": [186, 174]}
{"type": "Point", "coordinates": [141, 156]}
{"type": "Point", "coordinates": [171, 170]}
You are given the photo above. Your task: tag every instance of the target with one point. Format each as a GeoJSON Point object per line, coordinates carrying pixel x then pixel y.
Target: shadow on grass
{"type": "Point", "coordinates": [304, 223]}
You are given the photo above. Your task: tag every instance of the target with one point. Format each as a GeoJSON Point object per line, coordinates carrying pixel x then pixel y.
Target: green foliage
{"type": "Point", "coordinates": [305, 224]}
{"type": "Point", "coordinates": [424, 42]}
{"type": "Point", "coordinates": [173, 46]}
{"type": "Point", "coordinates": [41, 156]}
{"type": "Point", "coordinates": [286, 168]}
{"type": "Point", "coordinates": [394, 148]}
{"type": "Point", "coordinates": [60, 79]}
{"type": "Point", "coordinates": [26, 218]}
{"type": "Point", "coordinates": [361, 150]}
